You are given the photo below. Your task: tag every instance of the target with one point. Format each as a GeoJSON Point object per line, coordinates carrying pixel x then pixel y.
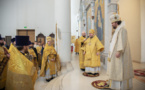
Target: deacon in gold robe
{"type": "Point", "coordinates": [39, 48]}
{"type": "Point", "coordinates": [4, 57]}
{"type": "Point", "coordinates": [49, 61]}
{"type": "Point", "coordinates": [21, 73]}
{"type": "Point", "coordinates": [77, 46]}
{"type": "Point", "coordinates": [92, 50]}
{"type": "Point", "coordinates": [33, 54]}
{"type": "Point", "coordinates": [120, 68]}
{"type": "Point", "coordinates": [81, 55]}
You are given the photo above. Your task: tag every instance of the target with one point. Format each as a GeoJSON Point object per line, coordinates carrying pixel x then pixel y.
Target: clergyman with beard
{"type": "Point", "coordinates": [22, 73]}
{"type": "Point", "coordinates": [92, 49]}
{"type": "Point", "coordinates": [4, 57]}
{"type": "Point", "coordinates": [120, 68]}
{"type": "Point", "coordinates": [33, 54]}
{"type": "Point", "coordinates": [81, 56]}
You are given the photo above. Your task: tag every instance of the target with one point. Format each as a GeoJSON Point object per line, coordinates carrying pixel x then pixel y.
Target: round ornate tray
{"type": "Point", "coordinates": [100, 84]}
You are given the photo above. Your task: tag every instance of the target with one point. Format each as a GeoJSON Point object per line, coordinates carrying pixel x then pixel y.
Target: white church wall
{"type": "Point", "coordinates": [35, 14]}
{"type": "Point", "coordinates": [142, 4]}
{"type": "Point", "coordinates": [74, 16]}
{"type": "Point", "coordinates": [130, 13]}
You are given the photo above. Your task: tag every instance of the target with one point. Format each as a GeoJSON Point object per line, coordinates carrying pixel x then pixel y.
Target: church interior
{"type": "Point", "coordinates": [58, 25]}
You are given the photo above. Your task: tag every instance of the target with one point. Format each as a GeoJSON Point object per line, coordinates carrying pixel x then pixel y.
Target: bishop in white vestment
{"type": "Point", "coordinates": [120, 68]}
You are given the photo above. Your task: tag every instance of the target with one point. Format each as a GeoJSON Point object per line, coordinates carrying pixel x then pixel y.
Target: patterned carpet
{"type": "Point", "coordinates": [100, 84]}
{"type": "Point", "coordinates": [140, 75]}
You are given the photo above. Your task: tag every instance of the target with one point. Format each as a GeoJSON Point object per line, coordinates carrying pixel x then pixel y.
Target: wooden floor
{"type": "Point", "coordinates": [73, 79]}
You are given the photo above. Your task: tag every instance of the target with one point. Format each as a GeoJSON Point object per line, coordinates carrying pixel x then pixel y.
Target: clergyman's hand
{"type": "Point", "coordinates": [8, 55]}
{"type": "Point", "coordinates": [84, 40]}
{"type": "Point", "coordinates": [98, 53]}
{"type": "Point", "coordinates": [118, 54]}
{"type": "Point", "coordinates": [84, 53]}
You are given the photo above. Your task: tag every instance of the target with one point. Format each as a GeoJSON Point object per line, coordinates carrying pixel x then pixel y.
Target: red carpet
{"type": "Point", "coordinates": [140, 75]}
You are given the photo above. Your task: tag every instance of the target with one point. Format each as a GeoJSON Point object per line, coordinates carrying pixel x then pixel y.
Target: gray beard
{"type": "Point", "coordinates": [91, 37]}
{"type": "Point", "coordinates": [1, 44]}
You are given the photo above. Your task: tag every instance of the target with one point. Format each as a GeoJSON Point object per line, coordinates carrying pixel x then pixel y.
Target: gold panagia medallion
{"type": "Point", "coordinates": [109, 59]}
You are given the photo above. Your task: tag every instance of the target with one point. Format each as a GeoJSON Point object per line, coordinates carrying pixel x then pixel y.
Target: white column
{"type": "Point", "coordinates": [63, 19]}
{"type": "Point", "coordinates": [85, 19]}
{"type": "Point", "coordinates": [107, 27]}
{"type": "Point", "coordinates": [93, 14]}
{"type": "Point", "coordinates": [107, 33]}
{"type": "Point", "coordinates": [80, 20]}
{"type": "Point", "coordinates": [84, 16]}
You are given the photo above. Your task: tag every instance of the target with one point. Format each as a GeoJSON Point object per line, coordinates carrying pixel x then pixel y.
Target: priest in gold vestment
{"type": "Point", "coordinates": [77, 46]}
{"type": "Point", "coordinates": [33, 54]}
{"type": "Point", "coordinates": [4, 57]}
{"type": "Point", "coordinates": [120, 68]}
{"type": "Point", "coordinates": [81, 55]}
{"type": "Point", "coordinates": [21, 73]}
{"type": "Point", "coordinates": [50, 63]}
{"type": "Point", "coordinates": [92, 50]}
{"type": "Point", "coordinates": [39, 48]}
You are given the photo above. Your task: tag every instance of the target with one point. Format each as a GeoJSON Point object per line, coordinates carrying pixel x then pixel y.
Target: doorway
{"type": "Point", "coordinates": [27, 32]}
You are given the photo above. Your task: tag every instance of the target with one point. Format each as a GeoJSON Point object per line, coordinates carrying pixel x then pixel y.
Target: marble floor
{"type": "Point", "coordinates": [73, 79]}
